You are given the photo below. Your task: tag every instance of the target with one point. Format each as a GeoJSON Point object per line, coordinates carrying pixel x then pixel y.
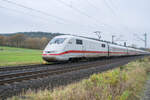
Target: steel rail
{"type": "Point", "coordinates": [17, 77]}
{"type": "Point", "coordinates": [14, 74]}
{"type": "Point", "coordinates": [11, 68]}
{"type": "Point", "coordinates": [15, 68]}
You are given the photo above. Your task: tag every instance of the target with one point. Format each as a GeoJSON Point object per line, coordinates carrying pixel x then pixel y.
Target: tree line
{"type": "Point", "coordinates": [23, 41]}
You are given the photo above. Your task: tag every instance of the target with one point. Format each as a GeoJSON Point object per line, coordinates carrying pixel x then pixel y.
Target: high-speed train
{"type": "Point", "coordinates": [68, 47]}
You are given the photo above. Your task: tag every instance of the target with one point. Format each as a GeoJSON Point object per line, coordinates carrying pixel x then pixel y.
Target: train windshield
{"type": "Point", "coordinates": [57, 41]}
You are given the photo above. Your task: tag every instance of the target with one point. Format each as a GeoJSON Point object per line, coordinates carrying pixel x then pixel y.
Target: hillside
{"type": "Point", "coordinates": [34, 34]}
{"type": "Point", "coordinates": [31, 40]}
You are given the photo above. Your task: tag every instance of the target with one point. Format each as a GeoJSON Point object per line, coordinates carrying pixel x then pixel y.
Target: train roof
{"type": "Point", "coordinates": [70, 36]}
{"type": "Point", "coordinates": [98, 40]}
{"type": "Point", "coordinates": [64, 36]}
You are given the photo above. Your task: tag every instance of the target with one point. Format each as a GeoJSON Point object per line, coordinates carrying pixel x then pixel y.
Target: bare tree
{"type": "Point", "coordinates": [18, 40]}
{"type": "Point", "coordinates": [2, 40]}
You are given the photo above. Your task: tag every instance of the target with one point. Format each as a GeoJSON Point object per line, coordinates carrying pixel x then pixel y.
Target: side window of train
{"type": "Point", "coordinates": [79, 42]}
{"type": "Point", "coordinates": [103, 45]}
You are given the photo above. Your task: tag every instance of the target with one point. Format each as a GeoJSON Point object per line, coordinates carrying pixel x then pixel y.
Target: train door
{"type": "Point", "coordinates": [108, 49]}
{"type": "Point", "coordinates": [80, 48]}
{"type": "Point", "coordinates": [84, 48]}
{"type": "Point", "coordinates": [127, 51]}
{"type": "Point", "coordinates": [69, 47]}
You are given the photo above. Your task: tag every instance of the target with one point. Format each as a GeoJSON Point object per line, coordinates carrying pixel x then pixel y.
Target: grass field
{"type": "Point", "coordinates": [10, 56]}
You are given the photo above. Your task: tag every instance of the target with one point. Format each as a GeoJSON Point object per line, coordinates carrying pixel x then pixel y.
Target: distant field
{"type": "Point", "coordinates": [10, 56]}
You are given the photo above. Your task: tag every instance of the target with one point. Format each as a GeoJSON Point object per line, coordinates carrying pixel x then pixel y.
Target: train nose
{"type": "Point", "coordinates": [48, 57]}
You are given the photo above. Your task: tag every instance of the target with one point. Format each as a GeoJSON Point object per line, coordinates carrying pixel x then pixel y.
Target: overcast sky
{"type": "Point", "coordinates": [126, 19]}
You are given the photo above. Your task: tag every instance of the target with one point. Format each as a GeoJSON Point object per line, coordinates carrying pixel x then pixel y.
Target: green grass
{"type": "Point", "coordinates": [10, 56]}
{"type": "Point", "coordinates": [124, 83]}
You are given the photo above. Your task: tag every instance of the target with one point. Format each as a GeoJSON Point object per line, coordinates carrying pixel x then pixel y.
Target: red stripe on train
{"type": "Point", "coordinates": [78, 51]}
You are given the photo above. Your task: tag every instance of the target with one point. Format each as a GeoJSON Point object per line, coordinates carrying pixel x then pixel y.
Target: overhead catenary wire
{"type": "Point", "coordinates": [113, 5]}
{"type": "Point", "coordinates": [38, 11]}
{"type": "Point", "coordinates": [109, 7]}
{"type": "Point", "coordinates": [53, 16]}
{"type": "Point", "coordinates": [108, 3]}
{"type": "Point", "coordinates": [18, 11]}
{"type": "Point", "coordinates": [92, 5]}
{"type": "Point", "coordinates": [28, 14]}
{"type": "Point", "coordinates": [79, 11]}
{"type": "Point", "coordinates": [85, 14]}
{"type": "Point", "coordinates": [59, 19]}
{"type": "Point", "coordinates": [97, 9]}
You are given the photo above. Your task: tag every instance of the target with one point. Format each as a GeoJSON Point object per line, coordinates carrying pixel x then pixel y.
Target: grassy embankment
{"type": "Point", "coordinates": [124, 83]}
{"type": "Point", "coordinates": [10, 56]}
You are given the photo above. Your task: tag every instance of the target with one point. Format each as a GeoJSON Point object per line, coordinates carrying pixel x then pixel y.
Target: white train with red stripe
{"type": "Point", "coordinates": [68, 47]}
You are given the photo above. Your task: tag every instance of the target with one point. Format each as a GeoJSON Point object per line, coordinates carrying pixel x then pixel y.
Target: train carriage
{"type": "Point", "coordinates": [66, 47]}
{"type": "Point", "coordinates": [116, 50]}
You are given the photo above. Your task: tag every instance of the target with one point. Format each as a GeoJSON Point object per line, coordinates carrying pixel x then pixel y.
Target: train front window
{"type": "Point", "coordinates": [57, 41]}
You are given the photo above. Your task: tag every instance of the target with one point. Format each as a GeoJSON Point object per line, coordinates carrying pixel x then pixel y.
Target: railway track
{"type": "Point", "coordinates": [19, 69]}
{"type": "Point", "coordinates": [16, 68]}
{"type": "Point", "coordinates": [9, 78]}
{"type": "Point", "coordinates": [26, 67]}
